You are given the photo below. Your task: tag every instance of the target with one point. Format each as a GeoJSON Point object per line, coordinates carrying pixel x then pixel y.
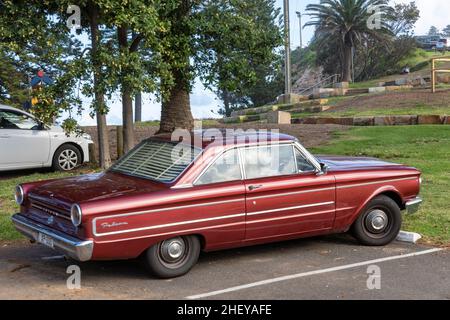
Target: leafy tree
{"type": "Point", "coordinates": [433, 31]}
{"type": "Point", "coordinates": [221, 42]}
{"type": "Point", "coordinates": [239, 64]}
{"type": "Point", "coordinates": [33, 38]}
{"type": "Point", "coordinates": [345, 23]}
{"type": "Point", "coordinates": [446, 31]}
{"type": "Point", "coordinates": [402, 18]}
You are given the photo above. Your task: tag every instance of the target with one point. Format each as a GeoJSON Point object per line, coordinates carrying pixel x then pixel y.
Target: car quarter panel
{"type": "Point", "coordinates": [355, 189]}
{"type": "Point", "coordinates": [216, 213]}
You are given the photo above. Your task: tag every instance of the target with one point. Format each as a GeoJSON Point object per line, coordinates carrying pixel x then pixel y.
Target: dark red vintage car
{"type": "Point", "coordinates": [167, 201]}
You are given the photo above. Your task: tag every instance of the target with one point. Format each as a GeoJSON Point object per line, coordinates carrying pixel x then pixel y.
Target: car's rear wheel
{"type": "Point", "coordinates": [173, 257]}
{"type": "Point", "coordinates": [379, 224]}
{"type": "Point", "coordinates": [66, 158]}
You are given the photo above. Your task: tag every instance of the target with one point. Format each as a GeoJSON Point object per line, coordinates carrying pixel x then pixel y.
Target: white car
{"type": "Point", "coordinates": [27, 143]}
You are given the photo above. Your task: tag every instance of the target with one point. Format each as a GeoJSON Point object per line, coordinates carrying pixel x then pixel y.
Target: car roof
{"type": "Point", "coordinates": [5, 107]}
{"type": "Point", "coordinates": [229, 137]}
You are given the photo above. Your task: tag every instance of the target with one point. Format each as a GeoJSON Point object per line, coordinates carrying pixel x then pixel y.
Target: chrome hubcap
{"type": "Point", "coordinates": [377, 221]}
{"type": "Point", "coordinates": [173, 250]}
{"type": "Point", "coordinates": [68, 159]}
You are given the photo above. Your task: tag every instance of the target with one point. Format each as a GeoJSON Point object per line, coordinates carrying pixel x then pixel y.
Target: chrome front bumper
{"type": "Point", "coordinates": [413, 205]}
{"type": "Point", "coordinates": [75, 248]}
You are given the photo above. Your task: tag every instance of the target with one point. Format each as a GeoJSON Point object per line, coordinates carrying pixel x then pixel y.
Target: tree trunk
{"type": "Point", "coordinates": [226, 102]}
{"type": "Point", "coordinates": [347, 66]}
{"type": "Point", "coordinates": [102, 129]}
{"type": "Point", "coordinates": [138, 107]}
{"type": "Point", "coordinates": [176, 111]}
{"type": "Point", "coordinates": [127, 115]}
{"type": "Point", "coordinates": [127, 101]}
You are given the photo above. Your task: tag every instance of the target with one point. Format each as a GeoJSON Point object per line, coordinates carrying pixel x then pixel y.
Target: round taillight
{"type": "Point", "coordinates": [19, 195]}
{"type": "Point", "coordinates": [76, 215]}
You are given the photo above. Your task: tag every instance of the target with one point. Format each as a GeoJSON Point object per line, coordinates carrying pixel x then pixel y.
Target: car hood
{"type": "Point", "coordinates": [354, 163]}
{"type": "Point", "coordinates": [93, 187]}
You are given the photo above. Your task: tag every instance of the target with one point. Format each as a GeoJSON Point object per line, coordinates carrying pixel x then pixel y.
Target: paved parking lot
{"type": "Point", "coordinates": [332, 267]}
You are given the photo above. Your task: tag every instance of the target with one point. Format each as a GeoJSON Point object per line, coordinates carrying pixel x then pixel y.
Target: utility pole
{"type": "Point", "coordinates": [299, 15]}
{"type": "Point", "coordinates": [287, 48]}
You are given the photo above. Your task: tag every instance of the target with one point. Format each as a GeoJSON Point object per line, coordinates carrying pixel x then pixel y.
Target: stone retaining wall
{"type": "Point", "coordinates": [376, 121]}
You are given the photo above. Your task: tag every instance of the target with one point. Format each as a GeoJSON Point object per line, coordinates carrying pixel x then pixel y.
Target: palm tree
{"type": "Point", "coordinates": [349, 23]}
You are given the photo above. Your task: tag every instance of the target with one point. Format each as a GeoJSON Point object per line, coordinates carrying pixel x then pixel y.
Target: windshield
{"type": "Point", "coordinates": [157, 160]}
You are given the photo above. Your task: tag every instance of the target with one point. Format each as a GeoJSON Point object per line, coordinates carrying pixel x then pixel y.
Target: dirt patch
{"type": "Point", "coordinates": [309, 135]}
{"type": "Point", "coordinates": [390, 100]}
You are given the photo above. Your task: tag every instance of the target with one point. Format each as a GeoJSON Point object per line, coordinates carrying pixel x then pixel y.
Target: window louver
{"type": "Point", "coordinates": [160, 161]}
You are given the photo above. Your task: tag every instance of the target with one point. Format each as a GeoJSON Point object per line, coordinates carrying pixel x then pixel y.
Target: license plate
{"type": "Point", "coordinates": [45, 240]}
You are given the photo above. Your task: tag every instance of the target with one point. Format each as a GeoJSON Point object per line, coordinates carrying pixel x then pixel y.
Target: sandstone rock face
{"type": "Point", "coordinates": [377, 89]}
{"type": "Point", "coordinates": [278, 117]}
{"type": "Point", "coordinates": [430, 119]}
{"type": "Point", "coordinates": [341, 85]}
{"type": "Point", "coordinates": [363, 121]}
{"type": "Point", "coordinates": [290, 98]}
{"type": "Point", "coordinates": [446, 120]}
{"type": "Point", "coordinates": [384, 121]}
{"type": "Point", "coordinates": [405, 120]}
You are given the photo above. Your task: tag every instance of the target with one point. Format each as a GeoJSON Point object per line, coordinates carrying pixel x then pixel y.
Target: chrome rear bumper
{"type": "Point", "coordinates": [75, 248]}
{"type": "Point", "coordinates": [413, 205]}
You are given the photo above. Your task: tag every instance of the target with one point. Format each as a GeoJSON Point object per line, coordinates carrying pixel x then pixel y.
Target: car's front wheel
{"type": "Point", "coordinates": [173, 257]}
{"type": "Point", "coordinates": [66, 158]}
{"type": "Point", "coordinates": [379, 224]}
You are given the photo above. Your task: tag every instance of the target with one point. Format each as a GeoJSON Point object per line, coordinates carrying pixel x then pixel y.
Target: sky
{"type": "Point", "coordinates": [205, 104]}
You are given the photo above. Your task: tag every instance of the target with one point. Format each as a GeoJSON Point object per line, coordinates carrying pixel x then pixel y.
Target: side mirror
{"type": "Point", "coordinates": [41, 126]}
{"type": "Point", "coordinates": [323, 169]}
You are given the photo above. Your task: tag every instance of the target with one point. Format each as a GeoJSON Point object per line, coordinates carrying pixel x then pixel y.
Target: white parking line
{"type": "Point", "coordinates": [310, 273]}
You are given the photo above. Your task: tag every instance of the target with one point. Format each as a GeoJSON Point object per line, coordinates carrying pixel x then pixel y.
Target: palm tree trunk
{"type": "Point", "coordinates": [347, 72]}
{"type": "Point", "coordinates": [102, 129]}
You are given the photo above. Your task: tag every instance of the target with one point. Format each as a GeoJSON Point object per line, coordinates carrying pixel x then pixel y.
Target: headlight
{"type": "Point", "coordinates": [76, 215]}
{"type": "Point", "coordinates": [87, 136]}
{"type": "Point", "coordinates": [19, 195]}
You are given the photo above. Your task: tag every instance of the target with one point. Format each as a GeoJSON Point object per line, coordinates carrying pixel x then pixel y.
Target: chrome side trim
{"type": "Point", "coordinates": [75, 248]}
{"type": "Point", "coordinates": [290, 216]}
{"type": "Point", "coordinates": [291, 208]}
{"type": "Point", "coordinates": [374, 182]}
{"type": "Point", "coordinates": [167, 225]}
{"type": "Point", "coordinates": [413, 206]}
{"type": "Point", "coordinates": [290, 193]}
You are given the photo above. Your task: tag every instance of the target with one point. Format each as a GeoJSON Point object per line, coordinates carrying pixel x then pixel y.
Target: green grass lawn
{"type": "Point", "coordinates": [424, 147]}
{"type": "Point", "coordinates": [7, 204]}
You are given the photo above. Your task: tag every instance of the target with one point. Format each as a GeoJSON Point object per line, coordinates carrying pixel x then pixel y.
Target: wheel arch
{"type": "Point", "coordinates": [388, 191]}
{"type": "Point", "coordinates": [74, 144]}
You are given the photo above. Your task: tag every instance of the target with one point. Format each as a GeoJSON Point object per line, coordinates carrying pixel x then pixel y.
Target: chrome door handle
{"type": "Point", "coordinates": [5, 137]}
{"type": "Point", "coordinates": [255, 187]}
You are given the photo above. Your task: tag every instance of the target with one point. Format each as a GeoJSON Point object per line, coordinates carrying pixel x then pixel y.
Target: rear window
{"type": "Point", "coordinates": [157, 160]}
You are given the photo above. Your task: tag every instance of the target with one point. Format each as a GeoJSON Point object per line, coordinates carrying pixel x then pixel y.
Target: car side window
{"type": "Point", "coordinates": [225, 169]}
{"type": "Point", "coordinates": [269, 161]}
{"type": "Point", "coordinates": [302, 164]}
{"type": "Point", "coordinates": [16, 120]}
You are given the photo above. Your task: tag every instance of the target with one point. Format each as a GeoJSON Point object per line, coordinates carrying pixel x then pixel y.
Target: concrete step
{"type": "Point", "coordinates": [284, 107]}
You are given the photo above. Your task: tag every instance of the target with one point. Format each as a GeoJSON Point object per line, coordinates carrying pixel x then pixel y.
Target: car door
{"type": "Point", "coordinates": [284, 195]}
{"type": "Point", "coordinates": [221, 184]}
{"type": "Point", "coordinates": [23, 142]}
